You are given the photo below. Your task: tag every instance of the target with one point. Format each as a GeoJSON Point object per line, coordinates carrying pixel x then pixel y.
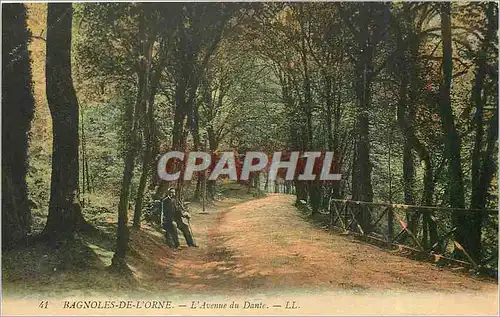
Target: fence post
{"type": "Point", "coordinates": [330, 210]}
{"type": "Point", "coordinates": [346, 212]}
{"type": "Point", "coordinates": [390, 226]}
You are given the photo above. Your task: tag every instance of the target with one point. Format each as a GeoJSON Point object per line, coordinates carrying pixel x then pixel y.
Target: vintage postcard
{"type": "Point", "coordinates": [250, 158]}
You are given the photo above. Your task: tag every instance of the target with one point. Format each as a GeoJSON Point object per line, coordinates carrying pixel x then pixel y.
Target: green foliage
{"type": "Point", "coordinates": [102, 133]}
{"type": "Point", "coordinates": [251, 91]}
{"type": "Point", "coordinates": [280, 76]}
{"type": "Point", "coordinates": [17, 112]}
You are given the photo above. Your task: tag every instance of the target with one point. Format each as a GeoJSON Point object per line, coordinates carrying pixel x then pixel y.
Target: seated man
{"type": "Point", "coordinates": [172, 213]}
{"type": "Point", "coordinates": [168, 223]}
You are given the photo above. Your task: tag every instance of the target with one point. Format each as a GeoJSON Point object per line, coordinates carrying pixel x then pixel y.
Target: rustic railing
{"type": "Point", "coordinates": [423, 229]}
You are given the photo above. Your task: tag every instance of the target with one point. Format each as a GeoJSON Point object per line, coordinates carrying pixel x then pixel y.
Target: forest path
{"type": "Point", "coordinates": [265, 244]}
{"type": "Point", "coordinates": [261, 250]}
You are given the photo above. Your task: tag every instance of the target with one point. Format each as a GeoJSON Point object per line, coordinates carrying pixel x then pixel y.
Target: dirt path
{"type": "Point", "coordinates": [261, 252]}
{"type": "Point", "coordinates": [265, 245]}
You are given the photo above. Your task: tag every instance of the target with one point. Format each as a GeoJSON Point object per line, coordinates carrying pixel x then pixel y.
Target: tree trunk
{"type": "Point", "coordinates": [404, 124]}
{"type": "Point", "coordinates": [301, 190]}
{"type": "Point", "coordinates": [307, 106]}
{"type": "Point", "coordinates": [315, 194]}
{"type": "Point", "coordinates": [451, 137]}
{"type": "Point", "coordinates": [148, 138]}
{"type": "Point", "coordinates": [17, 107]}
{"type": "Point", "coordinates": [193, 118]}
{"type": "Point", "coordinates": [329, 106]}
{"type": "Point", "coordinates": [408, 173]}
{"type": "Point", "coordinates": [482, 161]}
{"type": "Point", "coordinates": [405, 121]}
{"type": "Point", "coordinates": [186, 80]}
{"type": "Point", "coordinates": [488, 167]}
{"type": "Point", "coordinates": [65, 216]}
{"type": "Point", "coordinates": [329, 98]}
{"type": "Point", "coordinates": [428, 182]}
{"type": "Point", "coordinates": [132, 114]}
{"type": "Point", "coordinates": [362, 169]}
{"type": "Point", "coordinates": [336, 148]}
{"type": "Point", "coordinates": [213, 144]}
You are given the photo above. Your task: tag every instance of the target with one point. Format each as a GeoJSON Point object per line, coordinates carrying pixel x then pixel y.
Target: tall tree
{"type": "Point", "coordinates": [148, 132]}
{"type": "Point", "coordinates": [196, 41]}
{"type": "Point", "coordinates": [132, 114]}
{"type": "Point", "coordinates": [409, 29]}
{"type": "Point", "coordinates": [328, 49]}
{"type": "Point", "coordinates": [17, 113]}
{"type": "Point", "coordinates": [452, 142]}
{"type": "Point", "coordinates": [452, 139]}
{"type": "Point", "coordinates": [483, 166]}
{"type": "Point", "coordinates": [65, 215]}
{"type": "Point", "coordinates": [368, 23]}
{"type": "Point", "coordinates": [156, 66]}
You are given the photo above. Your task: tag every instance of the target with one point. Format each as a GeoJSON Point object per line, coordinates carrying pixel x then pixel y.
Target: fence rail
{"type": "Point", "coordinates": [426, 229]}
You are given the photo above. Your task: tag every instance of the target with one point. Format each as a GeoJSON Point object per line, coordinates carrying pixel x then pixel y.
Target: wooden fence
{"type": "Point", "coordinates": [422, 229]}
